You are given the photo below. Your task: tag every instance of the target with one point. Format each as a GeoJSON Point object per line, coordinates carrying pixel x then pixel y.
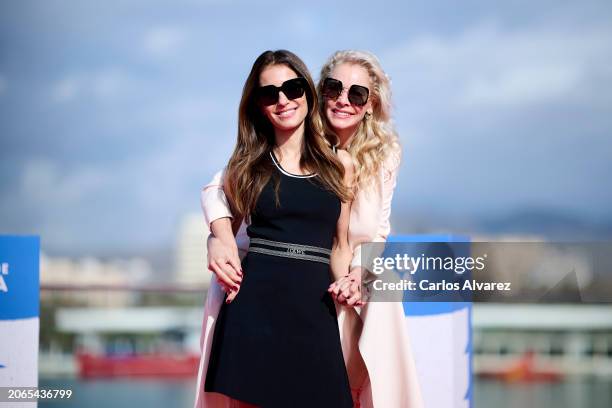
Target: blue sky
{"type": "Point", "coordinates": [114, 114]}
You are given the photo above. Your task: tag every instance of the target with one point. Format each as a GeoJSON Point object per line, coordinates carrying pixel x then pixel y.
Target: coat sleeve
{"type": "Point", "coordinates": [214, 206]}
{"type": "Point", "coordinates": [390, 170]}
{"type": "Point", "coordinates": [213, 200]}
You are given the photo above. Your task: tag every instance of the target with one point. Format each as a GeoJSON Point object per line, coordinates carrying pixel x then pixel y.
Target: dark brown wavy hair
{"type": "Point", "coordinates": [250, 167]}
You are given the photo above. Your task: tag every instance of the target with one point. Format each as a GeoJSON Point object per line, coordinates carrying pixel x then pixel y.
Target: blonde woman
{"type": "Point", "coordinates": [355, 106]}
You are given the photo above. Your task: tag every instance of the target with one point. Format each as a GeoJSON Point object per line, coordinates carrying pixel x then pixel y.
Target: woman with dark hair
{"type": "Point", "coordinates": [355, 107]}
{"type": "Point", "coordinates": [277, 344]}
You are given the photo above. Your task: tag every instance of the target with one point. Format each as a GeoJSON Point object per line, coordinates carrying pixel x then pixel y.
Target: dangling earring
{"type": "Point", "coordinates": [368, 115]}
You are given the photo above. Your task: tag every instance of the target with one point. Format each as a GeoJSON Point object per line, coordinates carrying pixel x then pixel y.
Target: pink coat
{"type": "Point", "coordinates": [378, 329]}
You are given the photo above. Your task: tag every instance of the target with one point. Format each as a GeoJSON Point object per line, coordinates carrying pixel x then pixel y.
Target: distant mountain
{"type": "Point", "coordinates": [550, 223]}
{"type": "Point", "coordinates": [546, 222]}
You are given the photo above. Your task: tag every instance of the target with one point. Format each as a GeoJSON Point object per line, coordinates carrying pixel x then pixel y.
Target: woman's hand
{"type": "Point", "coordinates": [224, 262]}
{"type": "Point", "coordinates": [347, 289]}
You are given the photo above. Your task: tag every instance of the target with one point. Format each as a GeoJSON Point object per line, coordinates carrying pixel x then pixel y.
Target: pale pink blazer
{"type": "Point", "coordinates": [378, 328]}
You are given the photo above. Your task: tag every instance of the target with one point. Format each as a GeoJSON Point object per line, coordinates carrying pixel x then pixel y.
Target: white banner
{"type": "Point", "coordinates": [19, 314]}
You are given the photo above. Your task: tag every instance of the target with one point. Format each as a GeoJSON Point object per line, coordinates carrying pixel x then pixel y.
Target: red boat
{"type": "Point", "coordinates": [524, 370]}
{"type": "Point", "coordinates": [137, 365]}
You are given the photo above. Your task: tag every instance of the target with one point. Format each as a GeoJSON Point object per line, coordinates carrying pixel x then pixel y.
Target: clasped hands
{"type": "Point", "coordinates": [347, 289]}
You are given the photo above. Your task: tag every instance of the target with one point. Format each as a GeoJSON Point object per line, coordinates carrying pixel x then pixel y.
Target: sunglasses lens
{"type": "Point", "coordinates": [332, 88]}
{"type": "Point", "coordinates": [358, 95]}
{"type": "Point", "coordinates": [294, 88]}
{"type": "Point", "coordinates": [267, 95]}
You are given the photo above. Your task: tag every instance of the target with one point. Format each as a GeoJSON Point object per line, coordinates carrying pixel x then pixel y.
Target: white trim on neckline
{"type": "Point", "coordinates": [285, 172]}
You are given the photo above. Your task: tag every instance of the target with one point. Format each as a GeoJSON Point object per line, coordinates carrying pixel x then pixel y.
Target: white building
{"type": "Point", "coordinates": [574, 339]}
{"type": "Point", "coordinates": [62, 273]}
{"type": "Point", "coordinates": [190, 251]}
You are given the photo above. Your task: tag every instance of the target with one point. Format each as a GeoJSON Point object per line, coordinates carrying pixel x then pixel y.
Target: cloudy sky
{"type": "Point", "coordinates": [114, 114]}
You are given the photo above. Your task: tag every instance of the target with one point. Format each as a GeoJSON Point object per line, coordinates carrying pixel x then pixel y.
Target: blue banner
{"type": "Point", "coordinates": [19, 277]}
{"type": "Point", "coordinates": [441, 334]}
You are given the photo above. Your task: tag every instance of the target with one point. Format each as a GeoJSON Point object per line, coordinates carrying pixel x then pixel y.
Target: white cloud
{"type": "Point", "coordinates": [522, 85]}
{"type": "Point", "coordinates": [107, 82]}
{"type": "Point", "coordinates": [44, 181]}
{"type": "Point", "coordinates": [492, 118]}
{"type": "Point", "coordinates": [103, 83]}
{"type": "Point", "coordinates": [485, 66]}
{"type": "Point", "coordinates": [163, 41]}
{"type": "Point", "coordinates": [133, 202]}
{"type": "Point", "coordinates": [66, 89]}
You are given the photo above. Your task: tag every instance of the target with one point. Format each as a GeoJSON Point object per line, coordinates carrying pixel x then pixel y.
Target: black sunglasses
{"type": "Point", "coordinates": [357, 94]}
{"type": "Point", "coordinates": [292, 88]}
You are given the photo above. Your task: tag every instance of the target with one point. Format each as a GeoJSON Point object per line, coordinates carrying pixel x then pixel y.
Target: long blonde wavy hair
{"type": "Point", "coordinates": [376, 139]}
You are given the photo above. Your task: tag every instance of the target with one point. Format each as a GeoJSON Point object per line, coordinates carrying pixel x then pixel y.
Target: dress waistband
{"type": "Point", "coordinates": [289, 250]}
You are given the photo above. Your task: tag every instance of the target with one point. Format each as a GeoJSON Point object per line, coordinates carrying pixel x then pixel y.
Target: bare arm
{"type": "Point", "coordinates": [345, 288]}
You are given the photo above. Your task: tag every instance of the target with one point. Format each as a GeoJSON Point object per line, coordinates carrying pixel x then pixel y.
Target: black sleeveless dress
{"type": "Point", "coordinates": [278, 344]}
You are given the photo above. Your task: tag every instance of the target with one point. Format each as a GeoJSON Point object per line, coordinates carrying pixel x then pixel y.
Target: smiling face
{"type": "Point", "coordinates": [286, 114]}
{"type": "Point", "coordinates": [343, 117]}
